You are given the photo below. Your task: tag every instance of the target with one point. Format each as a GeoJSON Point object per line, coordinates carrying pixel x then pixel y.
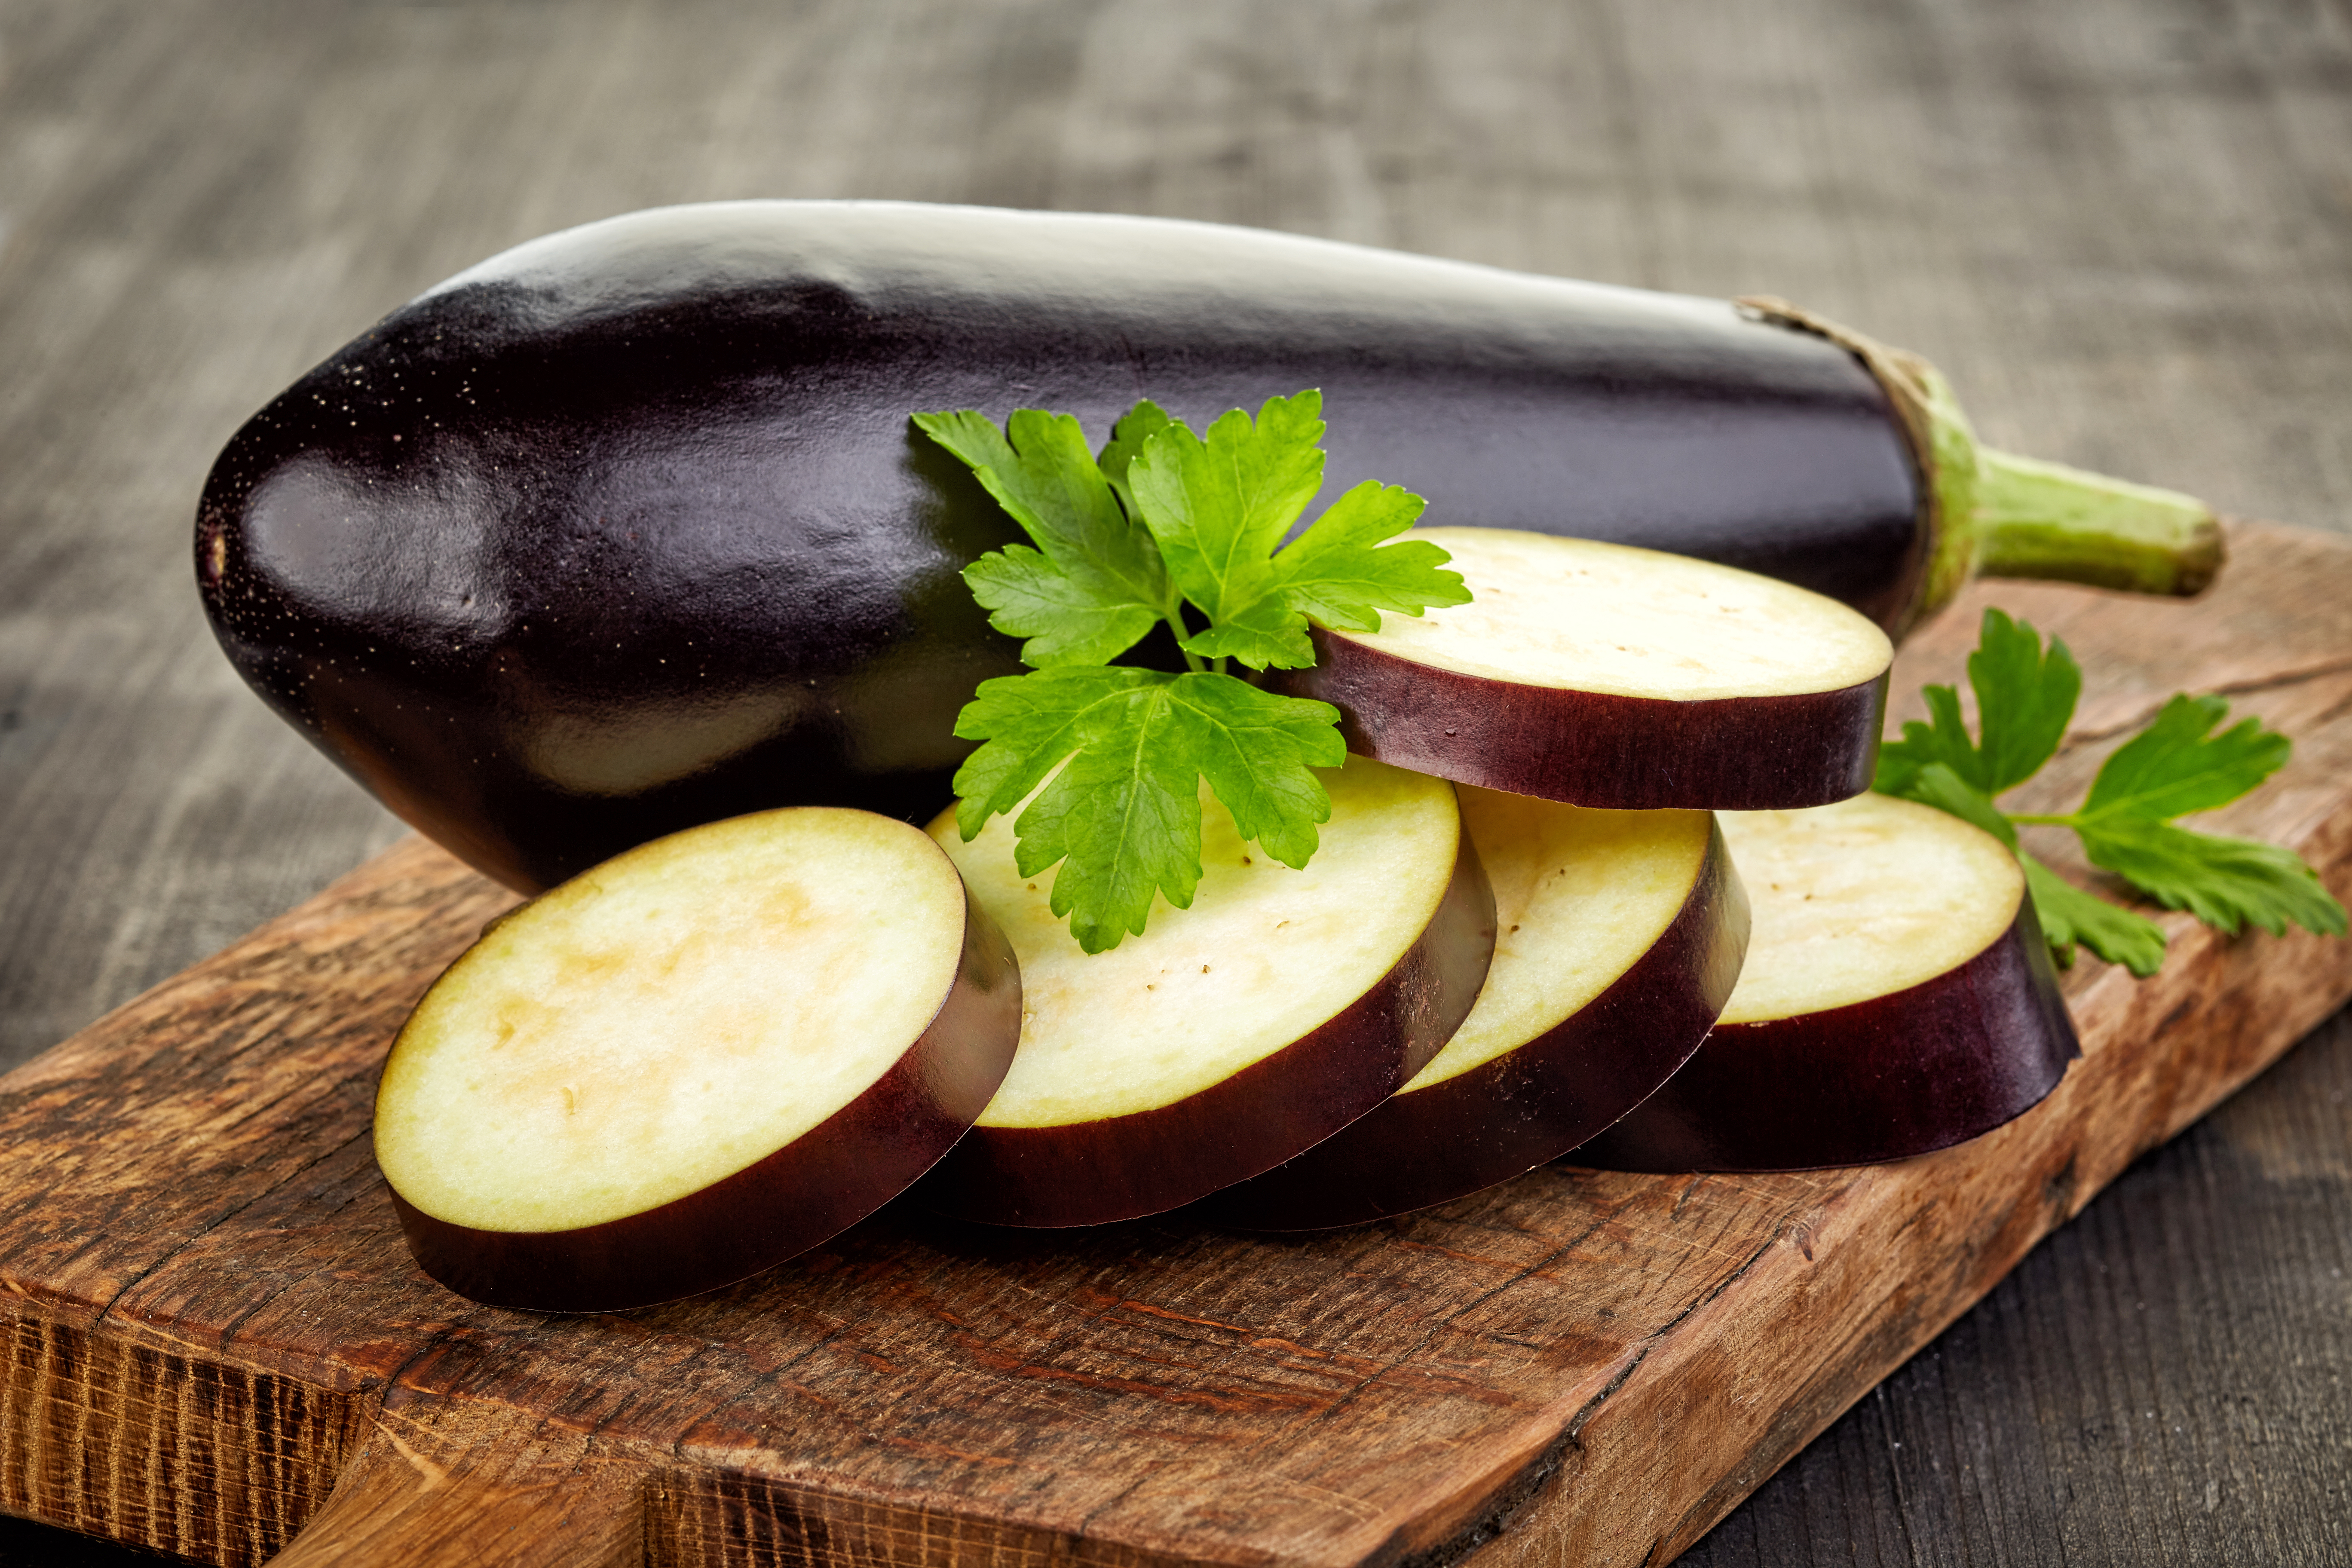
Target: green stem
{"type": "Point", "coordinates": [2043, 818]}
{"type": "Point", "coordinates": [2033, 519]}
{"type": "Point", "coordinates": [2007, 516]}
{"type": "Point", "coordinates": [1174, 614]}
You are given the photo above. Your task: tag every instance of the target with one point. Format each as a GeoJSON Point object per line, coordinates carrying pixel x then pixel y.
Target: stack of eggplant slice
{"type": "Point", "coordinates": [626, 531]}
{"type": "Point", "coordinates": [1607, 939]}
{"type": "Point", "coordinates": [1888, 991]}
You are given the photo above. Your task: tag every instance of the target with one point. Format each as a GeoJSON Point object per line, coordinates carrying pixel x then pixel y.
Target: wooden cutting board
{"type": "Point", "coordinates": [217, 1345]}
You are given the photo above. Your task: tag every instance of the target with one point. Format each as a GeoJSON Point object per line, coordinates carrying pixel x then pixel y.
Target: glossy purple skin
{"type": "Point", "coordinates": [813, 1188]}
{"type": "Point", "coordinates": [1946, 1061]}
{"type": "Point", "coordinates": [627, 529]}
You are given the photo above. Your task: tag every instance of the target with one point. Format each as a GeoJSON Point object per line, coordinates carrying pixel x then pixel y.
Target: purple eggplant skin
{"type": "Point", "coordinates": [627, 527]}
{"type": "Point", "coordinates": [1906, 1074]}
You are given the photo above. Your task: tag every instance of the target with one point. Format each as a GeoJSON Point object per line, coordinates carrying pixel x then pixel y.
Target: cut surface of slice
{"type": "Point", "coordinates": [693, 1060]}
{"type": "Point", "coordinates": [1229, 1035]}
{"type": "Point", "coordinates": [1619, 936]}
{"type": "Point", "coordinates": [1898, 999]}
{"type": "Point", "coordinates": [1607, 676]}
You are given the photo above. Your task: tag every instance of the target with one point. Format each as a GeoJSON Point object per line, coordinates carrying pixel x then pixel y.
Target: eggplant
{"type": "Point", "coordinates": [719, 1050]}
{"type": "Point", "coordinates": [1273, 1010]}
{"type": "Point", "coordinates": [1606, 676]}
{"type": "Point", "coordinates": [627, 529]}
{"type": "Point", "coordinates": [1619, 937]}
{"type": "Point", "coordinates": [1897, 997]}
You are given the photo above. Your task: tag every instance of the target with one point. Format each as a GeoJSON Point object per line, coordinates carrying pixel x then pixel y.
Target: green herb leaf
{"type": "Point", "coordinates": [2025, 697]}
{"type": "Point", "coordinates": [1940, 787]}
{"type": "Point", "coordinates": [1095, 584]}
{"type": "Point", "coordinates": [1943, 741]}
{"type": "Point", "coordinates": [2225, 882]}
{"type": "Point", "coordinates": [1219, 506]}
{"type": "Point", "coordinates": [2069, 915]}
{"type": "Point", "coordinates": [1125, 540]}
{"type": "Point", "coordinates": [1255, 750]}
{"type": "Point", "coordinates": [1031, 723]}
{"type": "Point", "coordinates": [1122, 817]}
{"type": "Point", "coordinates": [2172, 767]}
{"type": "Point", "coordinates": [1340, 571]}
{"type": "Point", "coordinates": [1136, 426]}
{"type": "Point", "coordinates": [1067, 617]}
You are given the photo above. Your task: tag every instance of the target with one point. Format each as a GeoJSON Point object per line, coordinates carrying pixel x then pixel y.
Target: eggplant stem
{"type": "Point", "coordinates": [2033, 519]}
{"type": "Point", "coordinates": [2001, 515]}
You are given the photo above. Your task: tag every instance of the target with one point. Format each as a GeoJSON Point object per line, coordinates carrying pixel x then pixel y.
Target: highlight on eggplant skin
{"type": "Point", "coordinates": [626, 529]}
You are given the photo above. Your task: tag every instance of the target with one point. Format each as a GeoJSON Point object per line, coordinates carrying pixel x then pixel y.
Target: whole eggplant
{"type": "Point", "coordinates": [627, 527]}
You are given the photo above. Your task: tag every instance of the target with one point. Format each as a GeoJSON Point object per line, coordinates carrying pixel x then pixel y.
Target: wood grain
{"type": "Point", "coordinates": [440, 1482]}
{"type": "Point", "coordinates": [2125, 228]}
{"type": "Point", "coordinates": [223, 1345]}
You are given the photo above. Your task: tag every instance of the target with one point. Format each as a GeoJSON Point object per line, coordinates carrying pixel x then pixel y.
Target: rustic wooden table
{"type": "Point", "coordinates": [2125, 230]}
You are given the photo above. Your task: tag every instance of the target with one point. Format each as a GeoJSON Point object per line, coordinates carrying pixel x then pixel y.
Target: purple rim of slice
{"type": "Point", "coordinates": [1920, 1070]}
{"type": "Point", "coordinates": [813, 1188]}
{"type": "Point", "coordinates": [1595, 748]}
{"type": "Point", "coordinates": [1124, 1167]}
{"type": "Point", "coordinates": [1530, 1104]}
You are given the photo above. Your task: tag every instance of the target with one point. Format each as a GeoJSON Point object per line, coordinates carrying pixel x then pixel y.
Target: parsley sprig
{"type": "Point", "coordinates": [1164, 527]}
{"type": "Point", "coordinates": [2177, 764]}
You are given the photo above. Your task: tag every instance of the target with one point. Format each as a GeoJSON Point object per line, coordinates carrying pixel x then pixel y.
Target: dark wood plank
{"type": "Point", "coordinates": [2123, 228]}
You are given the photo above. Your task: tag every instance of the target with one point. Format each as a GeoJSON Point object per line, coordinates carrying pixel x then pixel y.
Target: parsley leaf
{"type": "Point", "coordinates": [1095, 584]}
{"type": "Point", "coordinates": [2024, 698]}
{"type": "Point", "coordinates": [1123, 817]}
{"type": "Point", "coordinates": [1136, 426]}
{"type": "Point", "coordinates": [1066, 616]}
{"type": "Point", "coordinates": [1939, 786]}
{"type": "Point", "coordinates": [2069, 915]}
{"type": "Point", "coordinates": [2172, 767]}
{"type": "Point", "coordinates": [2225, 882]}
{"type": "Point", "coordinates": [1218, 508]}
{"type": "Point", "coordinates": [1339, 572]}
{"type": "Point", "coordinates": [2025, 695]}
{"type": "Point", "coordinates": [1111, 760]}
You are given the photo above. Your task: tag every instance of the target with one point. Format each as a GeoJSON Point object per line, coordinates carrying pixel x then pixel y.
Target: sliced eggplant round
{"type": "Point", "coordinates": [1230, 1036]}
{"type": "Point", "coordinates": [1606, 676]}
{"type": "Point", "coordinates": [1619, 937]}
{"type": "Point", "coordinates": [694, 1061]}
{"type": "Point", "coordinates": [1898, 999]}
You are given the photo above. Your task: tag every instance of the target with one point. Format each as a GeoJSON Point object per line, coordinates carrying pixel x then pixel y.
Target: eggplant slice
{"type": "Point", "coordinates": [1620, 936]}
{"type": "Point", "coordinates": [694, 1061]}
{"type": "Point", "coordinates": [1230, 1036]}
{"type": "Point", "coordinates": [1898, 998]}
{"type": "Point", "coordinates": [1607, 676]}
